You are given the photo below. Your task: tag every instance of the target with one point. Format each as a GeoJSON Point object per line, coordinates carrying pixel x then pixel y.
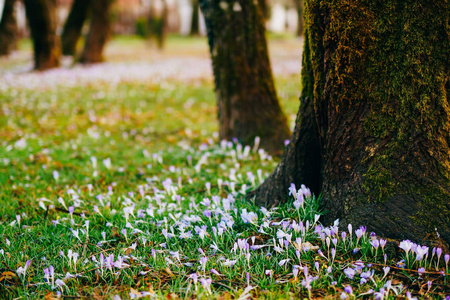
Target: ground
{"type": "Point", "coordinates": [114, 184]}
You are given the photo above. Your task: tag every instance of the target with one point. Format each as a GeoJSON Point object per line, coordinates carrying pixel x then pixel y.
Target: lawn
{"type": "Point", "coordinates": [114, 184]}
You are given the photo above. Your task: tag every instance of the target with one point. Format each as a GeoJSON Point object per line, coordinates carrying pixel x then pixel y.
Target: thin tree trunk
{"type": "Point", "coordinates": [73, 26]}
{"type": "Point", "coordinates": [246, 96]}
{"type": "Point", "coordinates": [299, 6]}
{"type": "Point", "coordinates": [375, 106]}
{"type": "Point", "coordinates": [195, 18]}
{"type": "Point", "coordinates": [8, 29]}
{"type": "Point", "coordinates": [41, 16]}
{"type": "Point", "coordinates": [99, 31]}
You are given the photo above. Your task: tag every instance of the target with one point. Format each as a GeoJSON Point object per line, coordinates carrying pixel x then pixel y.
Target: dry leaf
{"type": "Point", "coordinates": [49, 296]}
{"type": "Point", "coordinates": [169, 272]}
{"type": "Point", "coordinates": [8, 275]}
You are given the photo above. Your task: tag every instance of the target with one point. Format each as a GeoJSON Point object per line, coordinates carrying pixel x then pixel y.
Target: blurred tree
{"type": "Point", "coordinates": [195, 18]}
{"type": "Point", "coordinates": [99, 31]}
{"type": "Point", "coordinates": [157, 22]}
{"type": "Point", "coordinates": [41, 16]}
{"type": "Point", "coordinates": [246, 95]}
{"type": "Point", "coordinates": [8, 28]}
{"type": "Point", "coordinates": [73, 26]}
{"type": "Point", "coordinates": [373, 130]}
{"type": "Point", "coordinates": [265, 9]}
{"type": "Point", "coordinates": [300, 19]}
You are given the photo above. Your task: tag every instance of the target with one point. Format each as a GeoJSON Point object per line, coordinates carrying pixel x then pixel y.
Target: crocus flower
{"type": "Point", "coordinates": [386, 271]}
{"type": "Point", "coordinates": [52, 274]}
{"type": "Point", "coordinates": [382, 243]}
{"type": "Point", "coordinates": [406, 245]}
{"type": "Point", "coordinates": [375, 243]}
{"type": "Point", "coordinates": [409, 296]}
{"type": "Point", "coordinates": [248, 217]}
{"type": "Point", "coordinates": [229, 263]}
{"type": "Point", "coordinates": [438, 253]}
{"type": "Point", "coordinates": [358, 233]}
{"type": "Point", "coordinates": [206, 283]}
{"type": "Point", "coordinates": [293, 191]}
{"type": "Point", "coordinates": [421, 251]}
{"type": "Point", "coordinates": [348, 289]}
{"type": "Point", "coordinates": [214, 271]}
{"type": "Point", "coordinates": [203, 261]}
{"type": "Point", "coordinates": [350, 273]}
{"type": "Point", "coordinates": [22, 270]}
{"type": "Point", "coordinates": [60, 284]}
{"type": "Point", "coordinates": [283, 262]}
{"type": "Point", "coordinates": [295, 270]}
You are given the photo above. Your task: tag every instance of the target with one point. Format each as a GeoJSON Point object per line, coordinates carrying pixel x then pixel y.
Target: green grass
{"type": "Point", "coordinates": [144, 155]}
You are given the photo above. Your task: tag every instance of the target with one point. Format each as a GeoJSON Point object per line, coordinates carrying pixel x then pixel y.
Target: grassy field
{"type": "Point", "coordinates": [115, 190]}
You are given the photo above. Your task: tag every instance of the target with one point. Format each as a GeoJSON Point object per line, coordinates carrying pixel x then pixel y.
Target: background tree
{"type": "Point", "coordinates": [73, 26]}
{"type": "Point", "coordinates": [157, 22]}
{"type": "Point", "coordinates": [195, 18]}
{"type": "Point", "coordinates": [265, 9]}
{"type": "Point", "coordinates": [299, 7]}
{"type": "Point", "coordinates": [8, 28]}
{"type": "Point", "coordinates": [373, 130]}
{"type": "Point", "coordinates": [99, 31]}
{"type": "Point", "coordinates": [41, 16]}
{"type": "Point", "coordinates": [246, 96]}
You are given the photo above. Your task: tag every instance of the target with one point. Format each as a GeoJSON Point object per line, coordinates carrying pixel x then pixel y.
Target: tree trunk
{"type": "Point", "coordinates": [8, 28]}
{"type": "Point", "coordinates": [373, 130]}
{"type": "Point", "coordinates": [98, 32]}
{"type": "Point", "coordinates": [41, 16]}
{"type": "Point", "coordinates": [195, 18]}
{"type": "Point", "coordinates": [265, 9]}
{"type": "Point", "coordinates": [299, 7]}
{"type": "Point", "coordinates": [73, 26]}
{"type": "Point", "coordinates": [246, 96]}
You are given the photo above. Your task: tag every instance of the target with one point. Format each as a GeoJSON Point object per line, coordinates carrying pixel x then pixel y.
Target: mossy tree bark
{"type": "Point", "coordinates": [373, 130]}
{"type": "Point", "coordinates": [299, 6]}
{"type": "Point", "coordinates": [195, 18]}
{"type": "Point", "coordinates": [8, 28]}
{"type": "Point", "coordinates": [41, 16]}
{"type": "Point", "coordinates": [99, 31]}
{"type": "Point", "coordinates": [73, 26]}
{"type": "Point", "coordinates": [246, 96]}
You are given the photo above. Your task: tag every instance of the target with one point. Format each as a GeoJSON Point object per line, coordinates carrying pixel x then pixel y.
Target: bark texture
{"type": "Point", "coordinates": [73, 26]}
{"type": "Point", "coordinates": [195, 18]}
{"type": "Point", "coordinates": [99, 31]}
{"type": "Point", "coordinates": [246, 96]}
{"type": "Point", "coordinates": [8, 28]}
{"type": "Point", "coordinates": [375, 106]}
{"type": "Point", "coordinates": [41, 16]}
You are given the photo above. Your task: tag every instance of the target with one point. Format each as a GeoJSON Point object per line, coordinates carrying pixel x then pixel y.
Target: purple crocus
{"type": "Point", "coordinates": [350, 273]}
{"type": "Point", "coordinates": [22, 270]}
{"type": "Point", "coordinates": [348, 289]}
{"type": "Point", "coordinates": [214, 271]}
{"type": "Point", "coordinates": [203, 261]}
{"type": "Point", "coordinates": [206, 283]}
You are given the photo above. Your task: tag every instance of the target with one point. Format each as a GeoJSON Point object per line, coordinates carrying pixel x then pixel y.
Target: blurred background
{"type": "Point", "coordinates": [130, 16]}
